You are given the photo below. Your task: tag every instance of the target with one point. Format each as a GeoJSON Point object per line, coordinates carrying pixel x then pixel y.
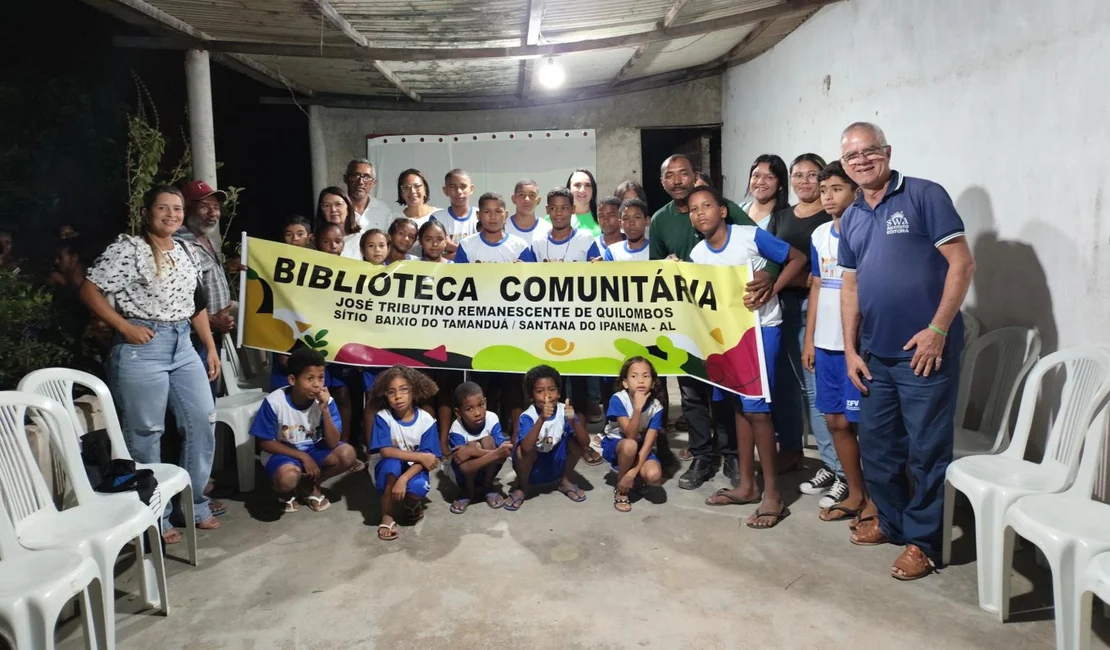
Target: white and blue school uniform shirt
{"type": "Point", "coordinates": [551, 443]}
{"type": "Point", "coordinates": [620, 406]}
{"type": "Point", "coordinates": [900, 274]}
{"type": "Point", "coordinates": [599, 247]}
{"type": "Point", "coordinates": [458, 227]}
{"type": "Point", "coordinates": [476, 248]}
{"type": "Point", "coordinates": [755, 246]}
{"type": "Point", "coordinates": [460, 436]}
{"type": "Point", "coordinates": [747, 245]}
{"type": "Point", "coordinates": [538, 230]}
{"type": "Point", "coordinates": [622, 252]}
{"type": "Point", "coordinates": [280, 419]}
{"type": "Point", "coordinates": [835, 392]}
{"type": "Point", "coordinates": [575, 247]}
{"type": "Point", "coordinates": [420, 434]}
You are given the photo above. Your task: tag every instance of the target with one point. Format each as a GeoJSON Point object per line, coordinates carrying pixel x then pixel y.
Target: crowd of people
{"type": "Point", "coordinates": [857, 288]}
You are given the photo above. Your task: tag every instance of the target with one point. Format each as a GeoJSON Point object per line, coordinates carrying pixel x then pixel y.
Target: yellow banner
{"type": "Point", "coordinates": [583, 319]}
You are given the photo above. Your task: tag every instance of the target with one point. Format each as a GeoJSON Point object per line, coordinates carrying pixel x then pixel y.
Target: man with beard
{"type": "Point", "coordinates": [370, 212]}
{"type": "Point", "coordinates": [673, 237]}
{"type": "Point", "coordinates": [202, 214]}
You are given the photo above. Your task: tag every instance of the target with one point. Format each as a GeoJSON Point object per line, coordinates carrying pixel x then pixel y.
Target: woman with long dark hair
{"type": "Point", "coordinates": [334, 206]}
{"type": "Point", "coordinates": [767, 189]}
{"type": "Point", "coordinates": [794, 392]}
{"type": "Point", "coordinates": [155, 280]}
{"type": "Point", "coordinates": [583, 187]}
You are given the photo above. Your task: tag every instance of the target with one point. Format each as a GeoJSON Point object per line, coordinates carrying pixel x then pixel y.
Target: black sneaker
{"type": "Point", "coordinates": [700, 471]}
{"type": "Point", "coordinates": [731, 469]}
{"type": "Point", "coordinates": [820, 482]}
{"type": "Point", "coordinates": [834, 495]}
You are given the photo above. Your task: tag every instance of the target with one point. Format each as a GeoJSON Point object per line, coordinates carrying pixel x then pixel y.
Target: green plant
{"type": "Point", "coordinates": [31, 334]}
{"type": "Point", "coordinates": [145, 147]}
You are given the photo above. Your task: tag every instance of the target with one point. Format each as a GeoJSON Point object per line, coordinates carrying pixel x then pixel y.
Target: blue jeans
{"type": "Point", "coordinates": [794, 395]}
{"type": "Point", "coordinates": [907, 420]}
{"type": "Point", "coordinates": [144, 378]}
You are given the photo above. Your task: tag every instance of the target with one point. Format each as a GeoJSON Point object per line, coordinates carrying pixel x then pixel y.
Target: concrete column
{"type": "Point", "coordinates": [318, 153]}
{"type": "Point", "coordinates": [202, 139]}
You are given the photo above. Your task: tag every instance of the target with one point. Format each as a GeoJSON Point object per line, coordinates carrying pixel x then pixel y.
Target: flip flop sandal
{"type": "Point", "coordinates": [416, 512]}
{"type": "Point", "coordinates": [318, 502]}
{"type": "Point", "coordinates": [574, 493]}
{"type": "Point", "coordinates": [621, 502]}
{"type": "Point", "coordinates": [875, 536]}
{"type": "Point", "coordinates": [684, 455]}
{"type": "Point", "coordinates": [913, 563]}
{"type": "Point", "coordinates": [357, 467]}
{"type": "Point", "coordinates": [494, 500]}
{"type": "Point", "coordinates": [390, 533]}
{"type": "Point", "coordinates": [172, 536]}
{"type": "Point", "coordinates": [729, 500]}
{"type": "Point", "coordinates": [459, 506]}
{"type": "Point", "coordinates": [513, 503]}
{"type": "Point", "coordinates": [845, 513]}
{"type": "Point", "coordinates": [217, 508]}
{"type": "Point", "coordinates": [208, 524]}
{"type": "Point", "coordinates": [598, 459]}
{"type": "Point", "coordinates": [290, 504]}
{"type": "Point", "coordinates": [779, 516]}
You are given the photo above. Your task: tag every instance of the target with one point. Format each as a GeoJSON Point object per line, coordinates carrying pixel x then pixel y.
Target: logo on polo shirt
{"type": "Point", "coordinates": [897, 224]}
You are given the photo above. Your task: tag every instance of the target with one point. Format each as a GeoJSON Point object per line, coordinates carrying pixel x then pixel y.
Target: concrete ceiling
{"type": "Point", "coordinates": [450, 54]}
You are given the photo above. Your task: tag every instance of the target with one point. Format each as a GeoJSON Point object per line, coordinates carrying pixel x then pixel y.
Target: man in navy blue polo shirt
{"type": "Point", "coordinates": [908, 269]}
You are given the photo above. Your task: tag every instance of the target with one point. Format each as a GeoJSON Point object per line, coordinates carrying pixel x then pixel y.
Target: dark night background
{"type": "Point", "coordinates": [65, 94]}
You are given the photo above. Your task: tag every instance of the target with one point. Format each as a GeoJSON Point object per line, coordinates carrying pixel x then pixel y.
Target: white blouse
{"type": "Point", "coordinates": [127, 269]}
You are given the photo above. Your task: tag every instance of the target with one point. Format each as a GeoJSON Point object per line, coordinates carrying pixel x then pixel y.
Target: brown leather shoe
{"type": "Point", "coordinates": [869, 533]}
{"type": "Point", "coordinates": [912, 564]}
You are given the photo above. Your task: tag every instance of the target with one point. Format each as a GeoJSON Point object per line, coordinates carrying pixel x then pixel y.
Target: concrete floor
{"type": "Point", "coordinates": [673, 573]}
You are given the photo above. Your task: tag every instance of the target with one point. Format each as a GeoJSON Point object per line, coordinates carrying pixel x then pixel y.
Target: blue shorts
{"type": "Point", "coordinates": [835, 392]}
{"type": "Point", "coordinates": [418, 485]}
{"type": "Point", "coordinates": [772, 336]}
{"type": "Point", "coordinates": [318, 453]}
{"type": "Point", "coordinates": [479, 478]}
{"type": "Point", "coordinates": [609, 450]}
{"type": "Point", "coordinates": [549, 465]}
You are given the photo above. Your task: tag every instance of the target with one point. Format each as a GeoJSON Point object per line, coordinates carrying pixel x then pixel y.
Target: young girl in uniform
{"type": "Point", "coordinates": [635, 417]}
{"type": "Point", "coordinates": [407, 439]}
{"type": "Point", "coordinates": [402, 235]}
{"type": "Point", "coordinates": [433, 242]}
{"type": "Point", "coordinates": [374, 246]}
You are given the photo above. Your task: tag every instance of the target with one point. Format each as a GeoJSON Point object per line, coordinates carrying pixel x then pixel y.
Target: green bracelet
{"type": "Point", "coordinates": [937, 330]}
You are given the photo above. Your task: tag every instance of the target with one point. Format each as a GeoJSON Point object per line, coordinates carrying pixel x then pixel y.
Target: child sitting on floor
{"type": "Point", "coordinates": [550, 439]}
{"type": "Point", "coordinates": [635, 422]}
{"type": "Point", "coordinates": [300, 444]}
{"type": "Point", "coordinates": [407, 439]}
{"type": "Point", "coordinates": [478, 447]}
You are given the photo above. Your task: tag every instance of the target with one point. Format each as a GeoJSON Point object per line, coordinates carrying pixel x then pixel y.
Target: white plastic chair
{"type": "Point", "coordinates": [58, 383]}
{"type": "Point", "coordinates": [992, 483]}
{"type": "Point", "coordinates": [237, 412]}
{"type": "Point", "coordinates": [97, 528]}
{"type": "Point", "coordinates": [1016, 350]}
{"type": "Point", "coordinates": [36, 585]}
{"type": "Point", "coordinates": [1070, 528]}
{"type": "Point", "coordinates": [1095, 582]}
{"type": "Point", "coordinates": [972, 329]}
{"type": "Point", "coordinates": [235, 382]}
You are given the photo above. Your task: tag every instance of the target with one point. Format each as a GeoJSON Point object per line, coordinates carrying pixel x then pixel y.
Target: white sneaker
{"type": "Point", "coordinates": [822, 480]}
{"type": "Point", "coordinates": [834, 495]}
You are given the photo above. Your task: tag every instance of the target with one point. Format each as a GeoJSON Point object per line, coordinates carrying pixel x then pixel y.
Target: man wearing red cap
{"type": "Point", "coordinates": [202, 214]}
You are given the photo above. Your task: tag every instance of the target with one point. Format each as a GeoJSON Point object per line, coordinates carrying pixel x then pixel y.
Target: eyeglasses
{"type": "Point", "coordinates": [870, 153]}
{"type": "Point", "coordinates": [809, 176]}
{"type": "Point", "coordinates": [366, 178]}
{"type": "Point", "coordinates": [412, 188]}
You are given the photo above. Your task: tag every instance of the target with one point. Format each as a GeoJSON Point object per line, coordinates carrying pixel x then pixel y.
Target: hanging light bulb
{"type": "Point", "coordinates": [551, 74]}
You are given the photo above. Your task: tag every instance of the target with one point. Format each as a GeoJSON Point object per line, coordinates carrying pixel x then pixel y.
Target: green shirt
{"type": "Point", "coordinates": [584, 222]}
{"type": "Point", "coordinates": [672, 233]}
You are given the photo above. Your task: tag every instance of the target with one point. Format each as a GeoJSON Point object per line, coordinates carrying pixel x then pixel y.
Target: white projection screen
{"type": "Point", "coordinates": [496, 161]}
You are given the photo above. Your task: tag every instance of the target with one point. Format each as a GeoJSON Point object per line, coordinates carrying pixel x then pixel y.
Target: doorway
{"type": "Point", "coordinates": [702, 144]}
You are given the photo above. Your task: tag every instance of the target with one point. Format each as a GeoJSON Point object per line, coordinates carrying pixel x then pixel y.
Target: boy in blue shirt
{"type": "Point", "coordinates": [491, 243]}
{"type": "Point", "coordinates": [298, 430]}
{"type": "Point", "coordinates": [634, 220]}
{"type": "Point", "coordinates": [729, 245]}
{"type": "Point", "coordinates": [478, 447]}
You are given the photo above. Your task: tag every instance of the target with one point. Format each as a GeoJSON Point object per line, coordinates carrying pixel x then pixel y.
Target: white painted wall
{"type": "Point", "coordinates": [617, 120]}
{"type": "Point", "coordinates": [1005, 103]}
